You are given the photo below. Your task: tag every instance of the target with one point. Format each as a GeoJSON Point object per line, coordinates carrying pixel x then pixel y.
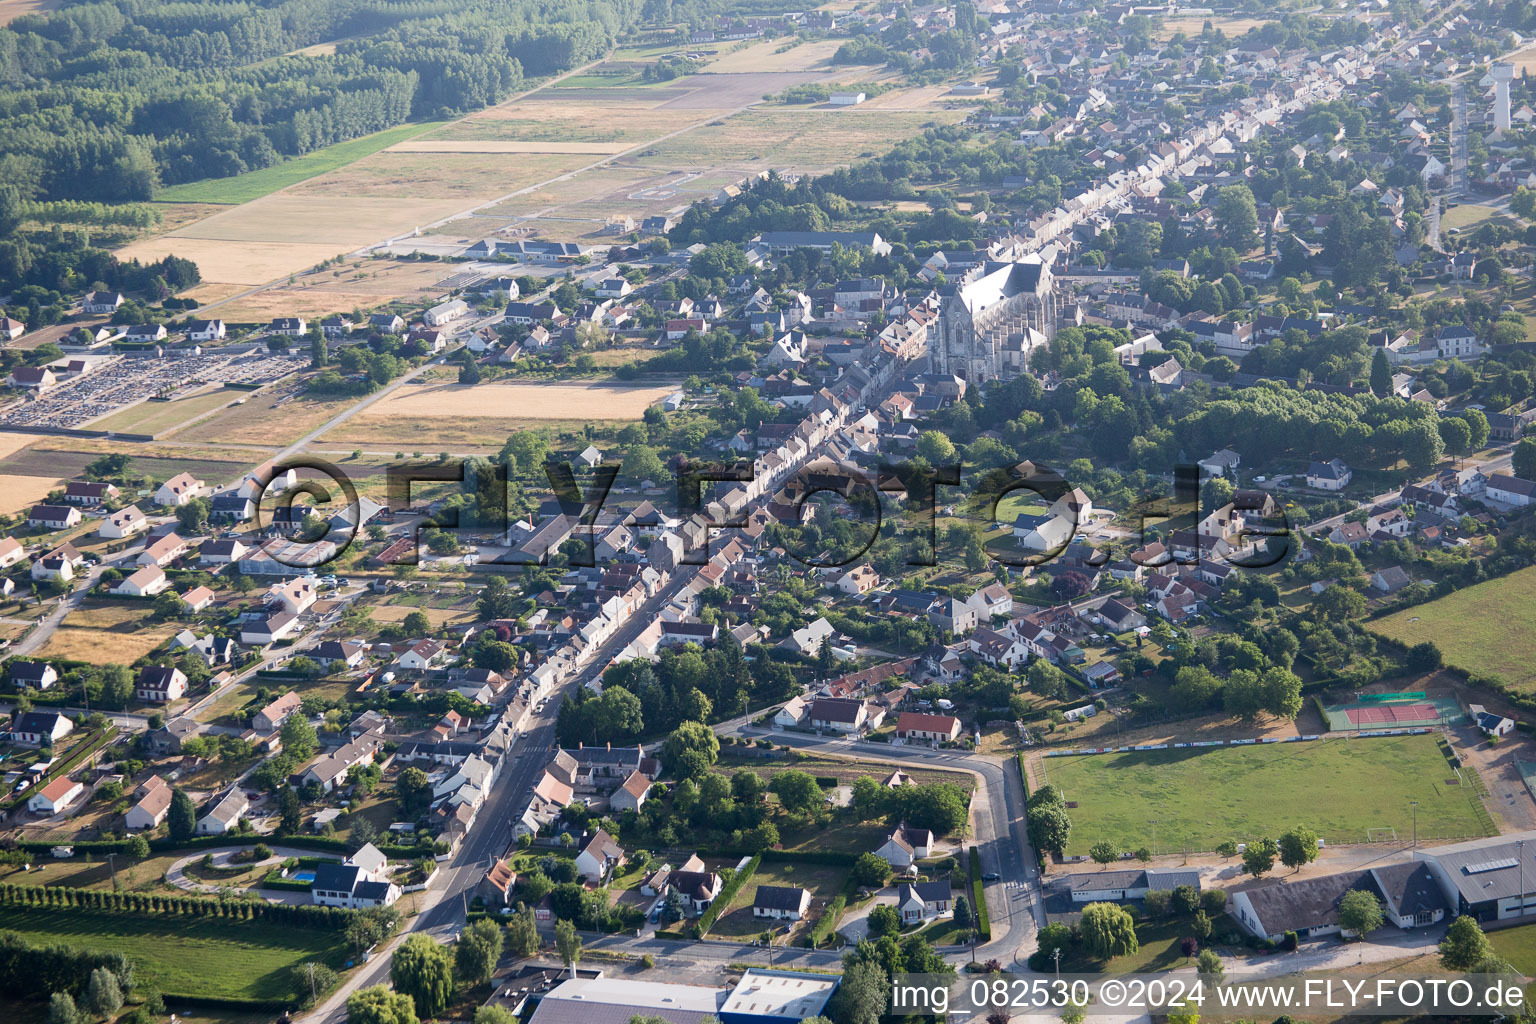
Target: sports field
{"type": "Point", "coordinates": [207, 956]}
{"type": "Point", "coordinates": [1347, 791]}
{"type": "Point", "coordinates": [1484, 629]}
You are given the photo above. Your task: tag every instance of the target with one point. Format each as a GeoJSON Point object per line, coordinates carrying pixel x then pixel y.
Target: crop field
{"type": "Point", "coordinates": [17, 491]}
{"type": "Point", "coordinates": [626, 122]}
{"type": "Point", "coordinates": [13, 9]}
{"type": "Point", "coordinates": [1484, 629]}
{"type": "Point", "coordinates": [284, 234]}
{"type": "Point", "coordinates": [438, 616]}
{"type": "Point", "coordinates": [242, 188]}
{"type": "Point", "coordinates": [509, 146]}
{"type": "Point", "coordinates": [40, 460]}
{"type": "Point", "coordinates": [205, 956]}
{"type": "Point", "coordinates": [799, 138]}
{"type": "Point", "coordinates": [425, 415]}
{"type": "Point", "coordinates": [429, 177]}
{"type": "Point", "coordinates": [153, 417]}
{"type": "Point", "coordinates": [359, 282]}
{"type": "Point", "coordinates": [764, 56]}
{"type": "Point", "coordinates": [1200, 797]}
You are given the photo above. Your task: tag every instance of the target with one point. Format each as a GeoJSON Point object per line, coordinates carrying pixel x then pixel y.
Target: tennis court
{"type": "Point", "coordinates": [1393, 715]}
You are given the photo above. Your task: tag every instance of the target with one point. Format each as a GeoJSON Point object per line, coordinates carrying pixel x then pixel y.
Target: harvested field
{"type": "Point", "coordinates": [428, 179]}
{"type": "Point", "coordinates": [154, 417]}
{"type": "Point", "coordinates": [11, 443]}
{"type": "Point", "coordinates": [519, 401]}
{"type": "Point", "coordinates": [801, 139]}
{"type": "Point", "coordinates": [228, 261]}
{"type": "Point", "coordinates": [763, 57]}
{"type": "Point", "coordinates": [242, 188]}
{"type": "Point", "coordinates": [13, 9]}
{"type": "Point", "coordinates": [499, 146]}
{"type": "Point", "coordinates": [18, 492]}
{"type": "Point", "coordinates": [431, 417]}
{"type": "Point", "coordinates": [285, 234]}
{"type": "Point", "coordinates": [708, 91]}
{"type": "Point", "coordinates": [275, 419]}
{"type": "Point", "coordinates": [570, 121]}
{"type": "Point", "coordinates": [51, 461]}
{"type": "Point", "coordinates": [357, 282]}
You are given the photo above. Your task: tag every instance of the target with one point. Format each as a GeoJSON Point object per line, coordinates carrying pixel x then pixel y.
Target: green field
{"type": "Point", "coordinates": [1012, 505]}
{"type": "Point", "coordinates": [1483, 629]}
{"type": "Point", "coordinates": [242, 188]}
{"type": "Point", "coordinates": [189, 956]}
{"type": "Point", "coordinates": [1202, 796]}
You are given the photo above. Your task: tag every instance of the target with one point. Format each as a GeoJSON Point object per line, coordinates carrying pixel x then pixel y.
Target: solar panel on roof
{"type": "Point", "coordinates": [1491, 865]}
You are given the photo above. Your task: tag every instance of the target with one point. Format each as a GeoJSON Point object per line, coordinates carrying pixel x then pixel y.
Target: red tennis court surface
{"type": "Point", "coordinates": [1393, 713]}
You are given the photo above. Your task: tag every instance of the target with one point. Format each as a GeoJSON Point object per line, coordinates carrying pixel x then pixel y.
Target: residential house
{"type": "Point", "coordinates": [913, 726]}
{"type": "Point", "coordinates": [906, 846]}
{"type": "Point", "coordinates": [54, 517]}
{"type": "Point", "coordinates": [271, 717]}
{"type": "Point", "coordinates": [781, 902]}
{"type": "Point", "coordinates": [39, 728]}
{"type": "Point", "coordinates": [123, 523]}
{"type": "Point", "coordinates": [36, 675]}
{"type": "Point", "coordinates": [1332, 475]}
{"type": "Point", "coordinates": [159, 684]}
{"type": "Point", "coordinates": [178, 490]}
{"type": "Point", "coordinates": [223, 814]}
{"type": "Point", "coordinates": [923, 901]}
{"type": "Point", "coordinates": [55, 796]}
{"type": "Point", "coordinates": [597, 859]}
{"type": "Point", "coordinates": [152, 802]}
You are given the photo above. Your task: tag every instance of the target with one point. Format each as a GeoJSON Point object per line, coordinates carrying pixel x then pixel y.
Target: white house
{"type": "Point", "coordinates": [154, 801]}
{"type": "Point", "coordinates": [906, 846]}
{"type": "Point", "coordinates": [125, 522]}
{"type": "Point", "coordinates": [178, 490]}
{"type": "Point", "coordinates": [147, 582]}
{"type": "Point", "coordinates": [781, 902]}
{"type": "Point", "coordinates": [1332, 475]}
{"type": "Point", "coordinates": [599, 857]}
{"type": "Point", "coordinates": [224, 814]}
{"type": "Point", "coordinates": [40, 728]}
{"type": "Point", "coordinates": [55, 796]}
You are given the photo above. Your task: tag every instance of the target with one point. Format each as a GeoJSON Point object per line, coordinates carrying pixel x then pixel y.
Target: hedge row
{"type": "Point", "coordinates": [727, 893]}
{"type": "Point", "coordinates": [165, 844]}
{"type": "Point", "coordinates": [978, 897]}
{"type": "Point", "coordinates": [59, 897]}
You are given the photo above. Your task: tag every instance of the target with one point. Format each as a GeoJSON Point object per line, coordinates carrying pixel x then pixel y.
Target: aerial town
{"type": "Point", "coordinates": [710, 513]}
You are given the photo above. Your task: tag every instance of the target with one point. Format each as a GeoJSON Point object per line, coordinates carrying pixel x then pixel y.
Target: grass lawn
{"type": "Point", "coordinates": [242, 188]}
{"type": "Point", "coordinates": [155, 417]}
{"type": "Point", "coordinates": [1018, 503]}
{"type": "Point", "coordinates": [823, 880]}
{"type": "Point", "coordinates": [1481, 628]}
{"type": "Point", "coordinates": [198, 956]}
{"type": "Point", "coordinates": [1199, 797]}
{"type": "Point", "coordinates": [1518, 946]}
{"type": "Point", "coordinates": [1158, 949]}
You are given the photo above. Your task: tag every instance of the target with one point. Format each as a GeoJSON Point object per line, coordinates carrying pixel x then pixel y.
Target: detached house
{"type": "Point", "coordinates": [781, 902]}
{"type": "Point", "coordinates": [178, 490]}
{"type": "Point", "coordinates": [912, 726]}
{"type": "Point", "coordinates": [906, 846]}
{"type": "Point", "coordinates": [159, 684]}
{"type": "Point", "coordinates": [154, 801]}
{"type": "Point", "coordinates": [39, 728]}
{"type": "Point", "coordinates": [599, 857]}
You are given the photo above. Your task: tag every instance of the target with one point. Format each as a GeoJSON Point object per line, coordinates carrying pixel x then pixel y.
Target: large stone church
{"type": "Point", "coordinates": [992, 318]}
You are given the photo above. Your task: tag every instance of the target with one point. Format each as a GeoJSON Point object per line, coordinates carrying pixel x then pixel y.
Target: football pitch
{"type": "Point", "coordinates": [1347, 791]}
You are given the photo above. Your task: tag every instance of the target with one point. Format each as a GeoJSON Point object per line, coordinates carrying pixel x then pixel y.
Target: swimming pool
{"type": "Point", "coordinates": [305, 875]}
